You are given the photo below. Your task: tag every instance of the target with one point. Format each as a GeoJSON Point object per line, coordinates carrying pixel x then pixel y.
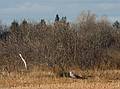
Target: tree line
{"type": "Point", "coordinates": [88, 43]}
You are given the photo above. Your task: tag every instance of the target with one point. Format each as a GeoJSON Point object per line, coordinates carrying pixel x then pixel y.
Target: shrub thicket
{"type": "Point", "coordinates": [89, 44]}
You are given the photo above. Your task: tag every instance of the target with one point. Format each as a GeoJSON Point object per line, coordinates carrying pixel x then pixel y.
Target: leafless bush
{"type": "Point", "coordinates": [86, 44]}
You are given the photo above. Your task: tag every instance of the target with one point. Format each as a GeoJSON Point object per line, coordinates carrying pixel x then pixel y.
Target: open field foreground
{"type": "Point", "coordinates": [73, 85]}
{"type": "Point", "coordinates": [45, 80]}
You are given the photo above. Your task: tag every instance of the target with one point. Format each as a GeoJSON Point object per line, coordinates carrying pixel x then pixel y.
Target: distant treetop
{"type": "Point", "coordinates": [24, 21]}
{"type": "Point", "coordinates": [57, 18]}
{"type": "Point", "coordinates": [43, 22]}
{"type": "Point", "coordinates": [116, 24]}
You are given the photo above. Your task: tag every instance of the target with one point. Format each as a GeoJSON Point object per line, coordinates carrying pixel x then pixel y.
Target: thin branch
{"type": "Point", "coordinates": [23, 61]}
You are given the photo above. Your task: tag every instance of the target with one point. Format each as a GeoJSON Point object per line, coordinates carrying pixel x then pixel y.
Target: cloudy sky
{"type": "Point", "coordinates": [37, 9]}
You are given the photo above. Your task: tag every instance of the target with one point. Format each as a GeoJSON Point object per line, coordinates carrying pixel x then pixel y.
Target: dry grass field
{"type": "Point", "coordinates": [38, 79]}
{"type": "Point", "coordinates": [75, 85]}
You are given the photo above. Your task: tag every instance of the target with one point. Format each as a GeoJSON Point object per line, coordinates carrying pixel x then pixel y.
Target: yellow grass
{"type": "Point", "coordinates": [48, 80]}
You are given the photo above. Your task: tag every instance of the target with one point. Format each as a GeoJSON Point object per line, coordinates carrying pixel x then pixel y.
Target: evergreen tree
{"type": "Point", "coordinates": [116, 24]}
{"type": "Point", "coordinates": [24, 22]}
{"type": "Point", "coordinates": [64, 19]}
{"type": "Point", "coordinates": [14, 26]}
{"type": "Point", "coordinates": [42, 22]}
{"type": "Point", "coordinates": [57, 18]}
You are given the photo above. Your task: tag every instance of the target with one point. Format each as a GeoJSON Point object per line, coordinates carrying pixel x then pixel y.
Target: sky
{"type": "Point", "coordinates": [37, 9]}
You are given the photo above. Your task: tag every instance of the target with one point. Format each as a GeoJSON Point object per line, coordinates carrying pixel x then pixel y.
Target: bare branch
{"type": "Point", "coordinates": [23, 61]}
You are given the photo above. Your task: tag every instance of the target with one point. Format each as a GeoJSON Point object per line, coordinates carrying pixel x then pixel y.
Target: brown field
{"type": "Point", "coordinates": [48, 80]}
{"type": "Point", "coordinates": [74, 85]}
